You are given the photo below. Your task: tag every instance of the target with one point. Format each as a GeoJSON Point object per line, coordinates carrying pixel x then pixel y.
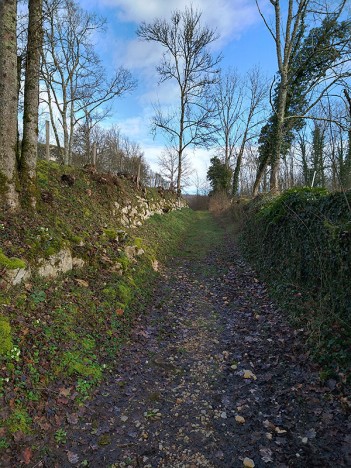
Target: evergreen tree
{"type": "Point", "coordinates": [314, 54]}
{"type": "Point", "coordinates": [219, 175]}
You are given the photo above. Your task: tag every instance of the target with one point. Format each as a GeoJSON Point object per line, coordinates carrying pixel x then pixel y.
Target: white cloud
{"type": "Point", "coordinates": [140, 54]}
{"type": "Point", "coordinates": [229, 17]}
{"type": "Point", "coordinates": [167, 94]}
{"type": "Point", "coordinates": [136, 128]}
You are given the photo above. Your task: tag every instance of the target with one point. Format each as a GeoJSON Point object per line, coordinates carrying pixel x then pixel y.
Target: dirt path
{"type": "Point", "coordinates": [210, 376]}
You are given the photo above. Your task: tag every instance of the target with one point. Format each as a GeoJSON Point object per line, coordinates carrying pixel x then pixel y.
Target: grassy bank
{"type": "Point", "coordinates": [58, 338]}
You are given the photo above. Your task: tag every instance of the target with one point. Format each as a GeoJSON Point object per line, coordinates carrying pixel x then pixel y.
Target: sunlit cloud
{"type": "Point", "coordinates": [139, 54]}
{"type": "Point", "coordinates": [229, 17]}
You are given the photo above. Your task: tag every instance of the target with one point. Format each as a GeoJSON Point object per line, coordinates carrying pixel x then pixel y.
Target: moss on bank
{"type": "Point", "coordinates": [67, 333]}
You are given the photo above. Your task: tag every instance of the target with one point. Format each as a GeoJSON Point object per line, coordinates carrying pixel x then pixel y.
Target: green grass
{"type": "Point", "coordinates": [205, 235]}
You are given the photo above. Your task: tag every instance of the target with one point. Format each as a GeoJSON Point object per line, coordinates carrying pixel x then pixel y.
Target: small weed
{"type": "Point", "coordinates": [61, 436]}
{"type": "Point", "coordinates": [19, 420]}
{"type": "Point", "coordinates": [3, 443]}
{"type": "Point", "coordinates": [152, 414]}
{"type": "Point", "coordinates": [14, 354]}
{"type": "Point", "coordinates": [38, 297]}
{"type": "Point", "coordinates": [84, 387]}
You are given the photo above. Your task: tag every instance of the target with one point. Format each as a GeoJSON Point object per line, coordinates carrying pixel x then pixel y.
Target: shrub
{"type": "Point", "coordinates": [302, 240]}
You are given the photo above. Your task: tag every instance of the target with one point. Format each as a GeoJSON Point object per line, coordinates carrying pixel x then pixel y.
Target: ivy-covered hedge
{"type": "Point", "coordinates": [301, 240]}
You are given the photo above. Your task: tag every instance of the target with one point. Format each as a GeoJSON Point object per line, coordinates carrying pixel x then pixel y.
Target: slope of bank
{"type": "Point", "coordinates": [71, 275]}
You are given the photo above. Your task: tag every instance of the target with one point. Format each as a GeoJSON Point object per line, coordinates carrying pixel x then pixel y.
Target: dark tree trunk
{"type": "Point", "coordinates": [8, 104]}
{"type": "Point", "coordinates": [31, 102]}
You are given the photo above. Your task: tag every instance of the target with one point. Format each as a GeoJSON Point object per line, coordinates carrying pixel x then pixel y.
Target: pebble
{"type": "Point", "coordinates": [239, 419]}
{"type": "Point", "coordinates": [248, 463]}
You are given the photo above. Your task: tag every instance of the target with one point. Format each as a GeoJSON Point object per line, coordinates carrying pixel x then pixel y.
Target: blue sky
{"type": "Point", "coordinates": [244, 42]}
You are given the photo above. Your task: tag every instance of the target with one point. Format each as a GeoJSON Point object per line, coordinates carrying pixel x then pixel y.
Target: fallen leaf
{"type": "Point", "coordinates": [239, 419]}
{"type": "Point", "coordinates": [119, 312]}
{"type": "Point", "coordinates": [249, 375]}
{"type": "Point", "coordinates": [63, 391]}
{"type": "Point", "coordinates": [82, 282]}
{"type": "Point", "coordinates": [280, 431]}
{"type": "Point", "coordinates": [73, 458]}
{"type": "Point", "coordinates": [105, 439]}
{"type": "Point", "coordinates": [18, 436]}
{"type": "Point", "coordinates": [62, 401]}
{"type": "Point", "coordinates": [72, 418]}
{"type": "Point", "coordinates": [267, 424]}
{"type": "Point", "coordinates": [27, 455]}
{"type": "Point", "coordinates": [248, 463]}
{"type": "Point", "coordinates": [43, 423]}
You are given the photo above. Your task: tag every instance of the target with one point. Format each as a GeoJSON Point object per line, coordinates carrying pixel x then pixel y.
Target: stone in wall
{"type": "Point", "coordinates": [14, 277]}
{"type": "Point", "coordinates": [61, 262]}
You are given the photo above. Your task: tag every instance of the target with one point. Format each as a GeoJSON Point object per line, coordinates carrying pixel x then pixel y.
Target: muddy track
{"type": "Point", "coordinates": [212, 376]}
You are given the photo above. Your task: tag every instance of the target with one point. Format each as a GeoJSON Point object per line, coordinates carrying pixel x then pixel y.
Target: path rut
{"type": "Point", "coordinates": [212, 374]}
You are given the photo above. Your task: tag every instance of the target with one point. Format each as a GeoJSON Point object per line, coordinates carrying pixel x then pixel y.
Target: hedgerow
{"type": "Point", "coordinates": [301, 242]}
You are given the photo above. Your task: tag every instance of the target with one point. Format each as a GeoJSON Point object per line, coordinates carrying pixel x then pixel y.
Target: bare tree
{"type": "Point", "coordinates": [202, 185]}
{"type": "Point", "coordinates": [251, 118]}
{"type": "Point", "coordinates": [76, 83]}
{"type": "Point", "coordinates": [228, 100]}
{"type": "Point", "coordinates": [314, 61]}
{"type": "Point", "coordinates": [8, 104]}
{"type": "Point", "coordinates": [240, 103]}
{"type": "Point", "coordinates": [168, 162]}
{"type": "Point", "coordinates": [28, 160]}
{"type": "Point", "coordinates": [188, 63]}
{"type": "Point", "coordinates": [321, 149]}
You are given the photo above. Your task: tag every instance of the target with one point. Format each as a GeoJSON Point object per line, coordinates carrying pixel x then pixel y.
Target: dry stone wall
{"type": "Point", "coordinates": [131, 215]}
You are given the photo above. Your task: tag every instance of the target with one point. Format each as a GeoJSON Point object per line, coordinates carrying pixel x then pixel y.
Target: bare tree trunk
{"type": "Point", "coordinates": [346, 179]}
{"type": "Point", "coordinates": [31, 102]}
{"type": "Point", "coordinates": [179, 176]}
{"type": "Point", "coordinates": [8, 104]}
{"type": "Point", "coordinates": [52, 120]}
{"type": "Point", "coordinates": [19, 74]}
{"type": "Point", "coordinates": [94, 153]}
{"type": "Point", "coordinates": [47, 128]}
{"type": "Point", "coordinates": [260, 173]}
{"type": "Point", "coordinates": [292, 175]}
{"type": "Point", "coordinates": [180, 147]}
{"type": "Point", "coordinates": [65, 133]}
{"type": "Point", "coordinates": [275, 157]}
{"type": "Point", "coordinates": [239, 160]}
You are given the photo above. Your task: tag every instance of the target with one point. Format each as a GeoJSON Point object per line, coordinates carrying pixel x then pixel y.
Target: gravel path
{"type": "Point", "coordinates": [212, 377]}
